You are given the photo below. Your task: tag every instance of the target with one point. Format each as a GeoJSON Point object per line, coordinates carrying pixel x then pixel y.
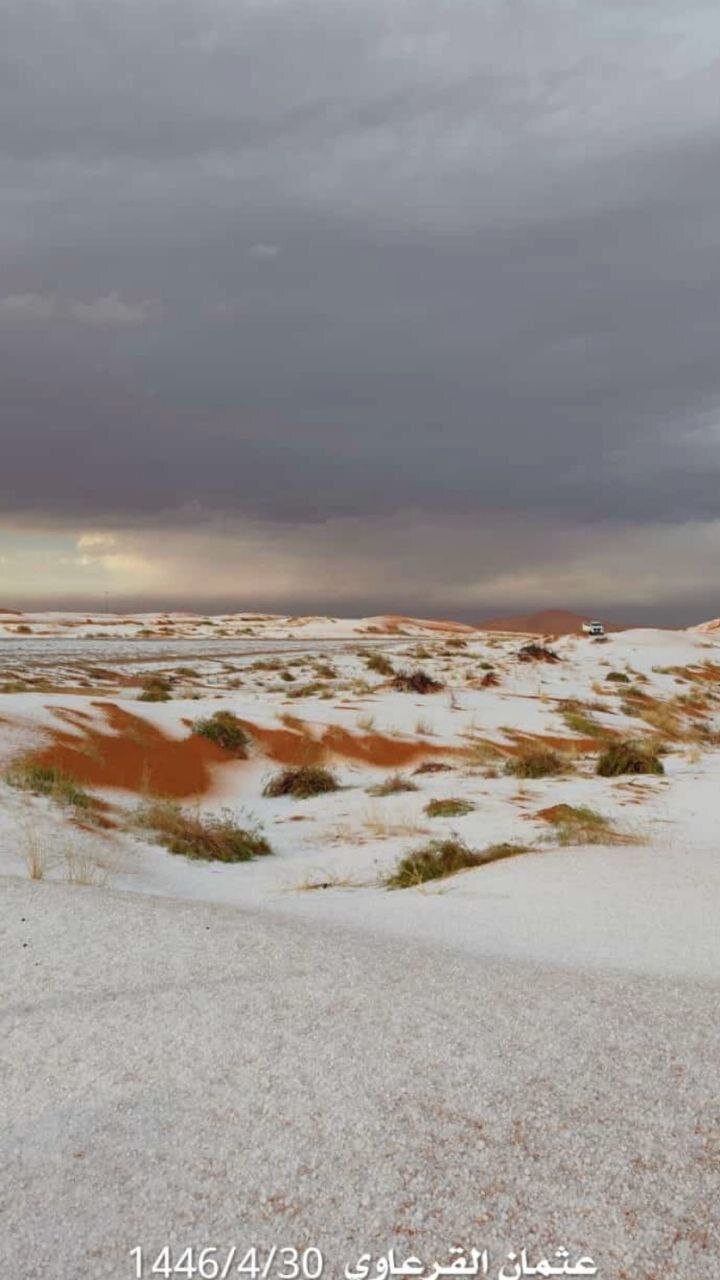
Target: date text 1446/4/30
{"type": "Point", "coordinates": [280, 1262]}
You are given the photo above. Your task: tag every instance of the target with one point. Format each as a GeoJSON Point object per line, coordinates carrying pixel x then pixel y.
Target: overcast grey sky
{"type": "Point", "coordinates": [365, 304]}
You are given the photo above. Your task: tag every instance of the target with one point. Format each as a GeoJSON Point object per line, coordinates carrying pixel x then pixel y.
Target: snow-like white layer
{"type": "Point", "coordinates": [645, 907]}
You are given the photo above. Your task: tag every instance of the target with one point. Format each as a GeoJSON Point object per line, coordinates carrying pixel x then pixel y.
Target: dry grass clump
{"type": "Point", "coordinates": [629, 757]}
{"type": "Point", "coordinates": [313, 689]}
{"type": "Point", "coordinates": [378, 663]}
{"type": "Point", "coordinates": [393, 785]}
{"type": "Point", "coordinates": [579, 720]}
{"type": "Point", "coordinates": [537, 653]}
{"type": "Point", "coordinates": [618, 677]}
{"type": "Point", "coordinates": [224, 729]}
{"type": "Point", "coordinates": [578, 824]}
{"type": "Point", "coordinates": [307, 780]}
{"type": "Point", "coordinates": [433, 766]}
{"type": "Point", "coordinates": [156, 689]}
{"type": "Point", "coordinates": [325, 671]}
{"type": "Point", "coordinates": [206, 837]}
{"type": "Point", "coordinates": [417, 681]}
{"type": "Point", "coordinates": [537, 762]}
{"type": "Point", "coordinates": [442, 858]}
{"type": "Point", "coordinates": [46, 780]}
{"type": "Point", "coordinates": [452, 807]}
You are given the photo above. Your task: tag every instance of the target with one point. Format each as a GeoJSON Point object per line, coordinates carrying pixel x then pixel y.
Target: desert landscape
{"type": "Point", "coordinates": [391, 846]}
{"type": "Point", "coordinates": [359, 640]}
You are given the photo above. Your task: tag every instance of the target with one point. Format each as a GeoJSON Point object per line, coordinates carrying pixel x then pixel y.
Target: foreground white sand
{"type": "Point", "coordinates": [194, 1074]}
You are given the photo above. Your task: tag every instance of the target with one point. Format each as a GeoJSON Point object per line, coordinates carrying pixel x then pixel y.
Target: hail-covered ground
{"type": "Point", "coordinates": [602, 914]}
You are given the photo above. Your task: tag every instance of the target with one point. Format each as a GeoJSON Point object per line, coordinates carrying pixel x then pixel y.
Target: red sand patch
{"type": "Point", "coordinates": [587, 746]}
{"type": "Point", "coordinates": [132, 754]}
{"type": "Point", "coordinates": [548, 622]}
{"type": "Point", "coordinates": [298, 746]}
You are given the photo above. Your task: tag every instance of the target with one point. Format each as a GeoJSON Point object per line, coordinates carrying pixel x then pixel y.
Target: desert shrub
{"type": "Point", "coordinates": [455, 642]}
{"type": "Point", "coordinates": [156, 689]}
{"type": "Point", "coordinates": [578, 824]}
{"type": "Point", "coordinates": [486, 666]}
{"type": "Point", "coordinates": [433, 766]}
{"type": "Point", "coordinates": [536, 762]}
{"type": "Point", "coordinates": [46, 780]}
{"type": "Point", "coordinates": [302, 782]}
{"type": "Point", "coordinates": [224, 729]}
{"type": "Point", "coordinates": [537, 653]}
{"type": "Point", "coordinates": [417, 681]}
{"type": "Point", "coordinates": [325, 671]}
{"type": "Point", "coordinates": [629, 757]}
{"type": "Point", "coordinates": [453, 807]}
{"type": "Point", "coordinates": [288, 677]}
{"type": "Point", "coordinates": [396, 783]}
{"type": "Point", "coordinates": [378, 663]}
{"type": "Point", "coordinates": [208, 837]}
{"type": "Point", "coordinates": [490, 680]}
{"type": "Point", "coordinates": [579, 720]}
{"type": "Point", "coordinates": [190, 672]}
{"type": "Point", "coordinates": [314, 689]}
{"type": "Point", "coordinates": [441, 858]}
{"type": "Point", "coordinates": [618, 676]}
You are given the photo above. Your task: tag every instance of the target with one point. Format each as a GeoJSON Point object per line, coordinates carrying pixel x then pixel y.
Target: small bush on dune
{"type": "Point", "coordinates": [453, 807]}
{"type": "Point", "coordinates": [537, 653]}
{"type": "Point", "coordinates": [579, 720]}
{"type": "Point", "coordinates": [417, 681]}
{"type": "Point", "coordinates": [155, 689]}
{"type": "Point", "coordinates": [618, 677]}
{"type": "Point", "coordinates": [378, 663]}
{"type": "Point", "coordinates": [315, 689]}
{"type": "Point", "coordinates": [578, 824]}
{"type": "Point", "coordinates": [224, 729]}
{"type": "Point", "coordinates": [441, 858]}
{"type": "Point", "coordinates": [46, 780]}
{"type": "Point", "coordinates": [396, 783]}
{"type": "Point", "coordinates": [203, 836]}
{"type": "Point", "coordinates": [308, 780]}
{"type": "Point", "coordinates": [629, 757]}
{"type": "Point", "coordinates": [536, 762]}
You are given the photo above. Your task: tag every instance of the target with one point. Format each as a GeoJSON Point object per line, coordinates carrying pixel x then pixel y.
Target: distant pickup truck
{"type": "Point", "coordinates": [593, 628]}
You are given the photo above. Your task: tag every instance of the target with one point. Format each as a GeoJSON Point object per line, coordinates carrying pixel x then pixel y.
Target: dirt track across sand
{"type": "Point", "coordinates": [196, 1075]}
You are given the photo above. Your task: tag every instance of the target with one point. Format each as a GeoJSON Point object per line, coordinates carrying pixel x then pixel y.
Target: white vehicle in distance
{"type": "Point", "coordinates": [593, 628]}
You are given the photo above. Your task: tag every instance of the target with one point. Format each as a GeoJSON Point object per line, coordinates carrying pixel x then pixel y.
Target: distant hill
{"type": "Point", "coordinates": [547, 622]}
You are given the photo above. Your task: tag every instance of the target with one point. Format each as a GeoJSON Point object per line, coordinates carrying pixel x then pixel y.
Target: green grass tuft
{"type": "Point", "coordinates": [396, 783]}
{"type": "Point", "coordinates": [208, 838]}
{"type": "Point", "coordinates": [442, 858]}
{"type": "Point", "coordinates": [537, 762]}
{"type": "Point", "coordinates": [453, 807]}
{"type": "Point", "coordinates": [629, 757]}
{"type": "Point", "coordinates": [224, 729]}
{"type": "Point", "coordinates": [308, 780]}
{"type": "Point", "coordinates": [46, 780]}
{"type": "Point", "coordinates": [156, 689]}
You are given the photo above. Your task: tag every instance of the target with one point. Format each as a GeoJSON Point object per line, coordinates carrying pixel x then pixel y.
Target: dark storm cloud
{"type": "Point", "coordinates": [295, 258]}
